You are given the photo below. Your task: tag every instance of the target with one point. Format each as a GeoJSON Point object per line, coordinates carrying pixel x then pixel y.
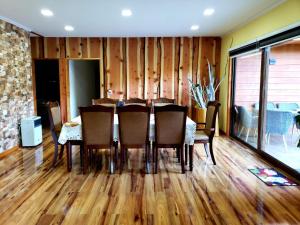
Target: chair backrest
{"type": "Point", "coordinates": [170, 124]}
{"type": "Point", "coordinates": [278, 121]}
{"type": "Point", "coordinates": [136, 101]}
{"type": "Point", "coordinates": [105, 101]}
{"type": "Point", "coordinates": [97, 125]}
{"type": "Point", "coordinates": [211, 115]}
{"type": "Point", "coordinates": [133, 125]}
{"type": "Point", "coordinates": [246, 118]}
{"type": "Point", "coordinates": [54, 117]}
{"type": "Point", "coordinates": [288, 106]}
{"type": "Point", "coordinates": [270, 105]}
{"type": "Point", "coordinates": [162, 102]}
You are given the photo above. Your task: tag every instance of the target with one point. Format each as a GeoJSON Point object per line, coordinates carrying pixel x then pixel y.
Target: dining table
{"type": "Point", "coordinates": [72, 133]}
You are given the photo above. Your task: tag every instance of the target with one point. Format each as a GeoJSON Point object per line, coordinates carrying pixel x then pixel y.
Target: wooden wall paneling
{"type": "Point", "coordinates": [167, 75]}
{"type": "Point", "coordinates": [34, 86]}
{"type": "Point", "coordinates": [207, 53]}
{"type": "Point", "coordinates": [64, 89]}
{"type": "Point", "coordinates": [142, 67]}
{"type": "Point", "coordinates": [124, 69]}
{"type": "Point", "coordinates": [162, 64]}
{"type": "Point", "coordinates": [114, 80]}
{"type": "Point", "coordinates": [190, 74]}
{"type": "Point", "coordinates": [37, 47]}
{"type": "Point", "coordinates": [107, 67]}
{"type": "Point", "coordinates": [127, 69]}
{"type": "Point", "coordinates": [176, 67]}
{"type": "Point", "coordinates": [138, 68]}
{"type": "Point", "coordinates": [121, 59]}
{"type": "Point", "coordinates": [94, 47]}
{"type": "Point", "coordinates": [51, 48]}
{"type": "Point", "coordinates": [158, 66]}
{"type": "Point", "coordinates": [62, 48]}
{"type": "Point", "coordinates": [198, 76]}
{"type": "Point", "coordinates": [155, 73]}
{"type": "Point", "coordinates": [186, 70]}
{"type": "Point", "coordinates": [217, 57]}
{"type": "Point", "coordinates": [73, 48]}
{"type": "Point", "coordinates": [146, 68]}
{"type": "Point", "coordinates": [180, 74]}
{"type": "Point", "coordinates": [83, 46]}
{"type": "Point", "coordinates": [102, 83]}
{"type": "Point", "coordinates": [150, 69]}
{"type": "Point", "coordinates": [133, 76]}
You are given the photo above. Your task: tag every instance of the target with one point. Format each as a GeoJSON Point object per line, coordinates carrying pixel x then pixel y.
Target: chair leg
{"type": "Point", "coordinates": [122, 160]}
{"type": "Point", "coordinates": [185, 154]}
{"type": "Point", "coordinates": [211, 151]}
{"type": "Point", "coordinates": [81, 154]}
{"type": "Point", "coordinates": [85, 160]}
{"type": "Point", "coordinates": [69, 156]}
{"type": "Point", "coordinates": [55, 154]}
{"type": "Point", "coordinates": [61, 153]}
{"type": "Point", "coordinates": [206, 149]}
{"type": "Point", "coordinates": [191, 154]}
{"type": "Point", "coordinates": [182, 160]}
{"type": "Point", "coordinates": [147, 158]}
{"type": "Point", "coordinates": [241, 131]}
{"type": "Point", "coordinates": [156, 159]}
{"type": "Point", "coordinates": [178, 154]}
{"type": "Point", "coordinates": [247, 135]}
{"type": "Point", "coordinates": [111, 160]}
{"type": "Point", "coordinates": [116, 155]}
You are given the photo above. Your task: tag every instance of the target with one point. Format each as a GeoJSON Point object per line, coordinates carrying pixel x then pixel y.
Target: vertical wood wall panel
{"type": "Point", "coordinates": [149, 67]}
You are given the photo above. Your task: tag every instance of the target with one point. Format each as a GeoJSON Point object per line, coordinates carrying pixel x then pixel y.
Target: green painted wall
{"type": "Point", "coordinates": [282, 16]}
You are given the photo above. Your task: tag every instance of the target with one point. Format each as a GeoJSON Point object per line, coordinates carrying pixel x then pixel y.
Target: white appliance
{"type": "Point", "coordinates": [31, 131]}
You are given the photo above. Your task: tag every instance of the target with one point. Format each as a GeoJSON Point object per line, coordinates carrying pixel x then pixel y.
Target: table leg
{"type": "Point", "coordinates": [69, 156]}
{"type": "Point", "coordinates": [191, 153]}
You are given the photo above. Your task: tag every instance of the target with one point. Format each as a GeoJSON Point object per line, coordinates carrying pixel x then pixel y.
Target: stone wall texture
{"type": "Point", "coordinates": [16, 95]}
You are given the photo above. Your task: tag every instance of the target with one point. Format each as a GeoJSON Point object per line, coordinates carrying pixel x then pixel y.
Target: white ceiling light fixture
{"type": "Point", "coordinates": [126, 12]}
{"type": "Point", "coordinates": [69, 28]}
{"type": "Point", "coordinates": [195, 27]}
{"type": "Point", "coordinates": [208, 12]}
{"type": "Point", "coordinates": [46, 12]}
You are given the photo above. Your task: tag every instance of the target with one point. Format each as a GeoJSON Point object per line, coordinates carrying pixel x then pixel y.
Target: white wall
{"type": "Point", "coordinates": [82, 84]}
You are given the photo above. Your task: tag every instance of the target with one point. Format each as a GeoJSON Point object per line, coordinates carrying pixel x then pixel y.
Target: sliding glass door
{"type": "Point", "coordinates": [265, 110]}
{"type": "Point", "coordinates": [283, 98]}
{"type": "Point", "coordinates": [246, 97]}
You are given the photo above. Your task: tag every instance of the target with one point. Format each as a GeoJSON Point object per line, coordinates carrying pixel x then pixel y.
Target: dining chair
{"type": "Point", "coordinates": [248, 121]}
{"type": "Point", "coordinates": [136, 101]}
{"type": "Point", "coordinates": [288, 106]}
{"type": "Point", "coordinates": [97, 132]}
{"type": "Point", "coordinates": [55, 128]}
{"type": "Point", "coordinates": [162, 102]}
{"type": "Point", "coordinates": [206, 135]}
{"type": "Point", "coordinates": [170, 126]}
{"type": "Point", "coordinates": [134, 123]}
{"type": "Point", "coordinates": [105, 102]}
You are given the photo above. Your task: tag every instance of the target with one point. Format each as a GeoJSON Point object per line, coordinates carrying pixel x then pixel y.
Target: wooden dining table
{"type": "Point", "coordinates": [72, 134]}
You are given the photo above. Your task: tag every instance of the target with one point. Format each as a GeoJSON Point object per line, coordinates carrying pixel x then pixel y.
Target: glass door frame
{"type": "Point", "coordinates": [265, 46]}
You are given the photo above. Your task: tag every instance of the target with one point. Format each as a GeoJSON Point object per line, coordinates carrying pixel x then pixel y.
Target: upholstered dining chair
{"type": "Point", "coordinates": [105, 102]}
{"type": "Point", "coordinates": [162, 102]}
{"type": "Point", "coordinates": [206, 135]}
{"type": "Point", "coordinates": [55, 128]}
{"type": "Point", "coordinates": [136, 101]}
{"type": "Point", "coordinates": [97, 132]}
{"type": "Point", "coordinates": [288, 106]}
{"type": "Point", "coordinates": [170, 126]}
{"type": "Point", "coordinates": [134, 123]}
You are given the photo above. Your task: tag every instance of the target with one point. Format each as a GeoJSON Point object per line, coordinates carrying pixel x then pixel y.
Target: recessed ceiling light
{"type": "Point", "coordinates": [194, 27]}
{"type": "Point", "coordinates": [69, 28]}
{"type": "Point", "coordinates": [126, 12]}
{"type": "Point", "coordinates": [208, 12]}
{"type": "Point", "coordinates": [46, 12]}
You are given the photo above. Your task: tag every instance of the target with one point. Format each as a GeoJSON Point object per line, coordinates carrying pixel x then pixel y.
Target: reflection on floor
{"type": "Point", "coordinates": [289, 155]}
{"type": "Point", "coordinates": [31, 192]}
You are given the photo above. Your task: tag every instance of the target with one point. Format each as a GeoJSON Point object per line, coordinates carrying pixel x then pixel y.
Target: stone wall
{"type": "Point", "coordinates": [16, 96]}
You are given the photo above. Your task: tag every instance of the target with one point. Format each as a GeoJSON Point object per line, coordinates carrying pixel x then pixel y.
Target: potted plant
{"type": "Point", "coordinates": [203, 93]}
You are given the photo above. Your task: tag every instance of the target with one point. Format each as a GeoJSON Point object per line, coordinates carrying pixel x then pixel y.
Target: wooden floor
{"type": "Point", "coordinates": [31, 192]}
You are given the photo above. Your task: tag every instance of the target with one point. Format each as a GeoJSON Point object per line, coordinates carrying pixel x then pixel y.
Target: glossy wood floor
{"type": "Point", "coordinates": [31, 192]}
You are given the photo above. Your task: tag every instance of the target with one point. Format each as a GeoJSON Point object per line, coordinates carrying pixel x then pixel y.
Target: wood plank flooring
{"type": "Point", "coordinates": [31, 192]}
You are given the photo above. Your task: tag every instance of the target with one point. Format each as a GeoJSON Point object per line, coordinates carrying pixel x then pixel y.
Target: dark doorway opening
{"type": "Point", "coordinates": [47, 86]}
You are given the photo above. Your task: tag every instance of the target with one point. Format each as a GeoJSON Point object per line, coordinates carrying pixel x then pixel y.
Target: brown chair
{"type": "Point", "coordinates": [110, 102]}
{"type": "Point", "coordinates": [170, 126]}
{"type": "Point", "coordinates": [134, 123]}
{"type": "Point", "coordinates": [206, 135]}
{"type": "Point", "coordinates": [136, 101]}
{"type": "Point", "coordinates": [97, 131]}
{"type": "Point", "coordinates": [55, 128]}
{"type": "Point", "coordinates": [162, 102]}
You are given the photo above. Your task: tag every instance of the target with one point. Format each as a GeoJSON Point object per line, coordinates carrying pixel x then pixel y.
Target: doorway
{"type": "Point", "coordinates": [47, 86]}
{"type": "Point", "coordinates": [84, 83]}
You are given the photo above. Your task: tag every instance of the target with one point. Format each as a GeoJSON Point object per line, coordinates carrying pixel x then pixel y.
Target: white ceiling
{"type": "Point", "coordinates": [102, 18]}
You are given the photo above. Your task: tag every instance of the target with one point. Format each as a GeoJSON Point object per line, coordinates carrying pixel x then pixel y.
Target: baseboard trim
{"type": "Point", "coordinates": [8, 152]}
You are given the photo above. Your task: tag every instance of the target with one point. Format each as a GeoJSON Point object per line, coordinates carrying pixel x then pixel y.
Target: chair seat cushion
{"type": "Point", "coordinates": [201, 136]}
